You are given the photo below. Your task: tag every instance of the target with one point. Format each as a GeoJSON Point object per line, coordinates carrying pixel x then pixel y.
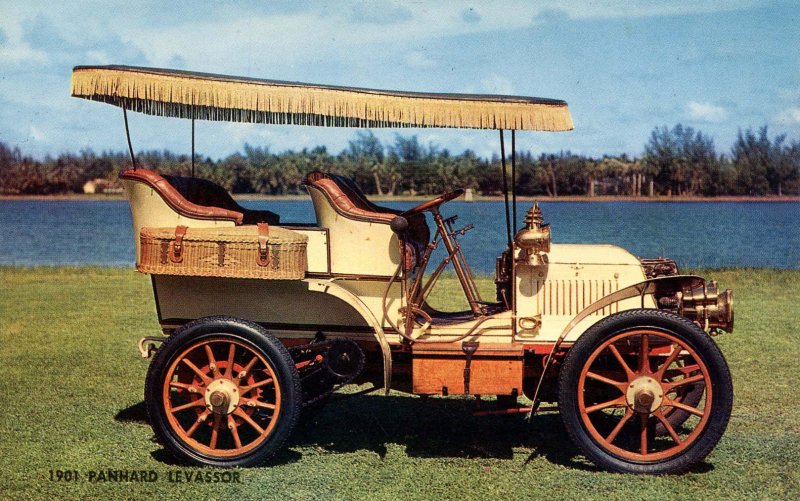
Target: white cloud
{"type": "Point", "coordinates": [36, 134]}
{"type": "Point", "coordinates": [581, 9]}
{"type": "Point", "coordinates": [408, 45]}
{"type": "Point", "coordinates": [790, 116]}
{"type": "Point", "coordinates": [496, 84]}
{"type": "Point", "coordinates": [207, 36]}
{"type": "Point", "coordinates": [470, 15]}
{"type": "Point", "coordinates": [706, 112]}
{"type": "Point", "coordinates": [13, 52]}
{"type": "Point", "coordinates": [420, 59]}
{"type": "Point", "coordinates": [379, 13]}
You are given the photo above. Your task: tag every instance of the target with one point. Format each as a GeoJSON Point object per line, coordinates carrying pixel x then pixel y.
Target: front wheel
{"type": "Point", "coordinates": [222, 392]}
{"type": "Point", "coordinates": [623, 383]}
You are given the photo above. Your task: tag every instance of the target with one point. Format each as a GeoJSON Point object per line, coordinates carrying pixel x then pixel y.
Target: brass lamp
{"type": "Point", "coordinates": [534, 239]}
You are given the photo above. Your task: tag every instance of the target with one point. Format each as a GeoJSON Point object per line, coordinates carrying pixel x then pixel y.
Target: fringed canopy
{"type": "Point", "coordinates": [204, 96]}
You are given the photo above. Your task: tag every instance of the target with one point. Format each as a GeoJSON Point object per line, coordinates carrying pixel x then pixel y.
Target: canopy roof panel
{"type": "Point", "coordinates": [204, 96]}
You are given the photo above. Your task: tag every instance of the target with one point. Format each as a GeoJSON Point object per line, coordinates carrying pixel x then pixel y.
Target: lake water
{"type": "Point", "coordinates": [695, 234]}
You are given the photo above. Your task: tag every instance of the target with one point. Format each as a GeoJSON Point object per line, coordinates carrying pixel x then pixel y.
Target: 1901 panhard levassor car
{"type": "Point", "coordinates": [264, 319]}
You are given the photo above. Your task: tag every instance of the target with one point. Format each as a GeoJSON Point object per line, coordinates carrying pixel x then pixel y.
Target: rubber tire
{"type": "Point", "coordinates": [241, 330]}
{"type": "Point", "coordinates": [680, 327]}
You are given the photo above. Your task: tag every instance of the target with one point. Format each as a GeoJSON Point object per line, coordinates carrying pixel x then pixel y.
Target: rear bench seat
{"type": "Point", "coordinates": [198, 198]}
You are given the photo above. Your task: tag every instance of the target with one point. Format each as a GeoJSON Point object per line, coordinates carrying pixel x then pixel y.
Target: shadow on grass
{"type": "Point", "coordinates": [136, 413]}
{"type": "Point", "coordinates": [433, 428]}
{"type": "Point", "coordinates": [285, 456]}
{"type": "Point", "coordinates": [427, 428]}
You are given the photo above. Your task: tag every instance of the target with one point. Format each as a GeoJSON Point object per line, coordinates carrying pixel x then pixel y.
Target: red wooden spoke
{"type": "Point", "coordinates": [231, 354]}
{"type": "Point", "coordinates": [202, 375]}
{"type": "Point", "coordinates": [248, 389]}
{"type": "Point", "coordinates": [184, 386]}
{"type": "Point", "coordinates": [200, 419]}
{"type": "Point", "coordinates": [256, 403]}
{"type": "Point", "coordinates": [211, 361]}
{"type": "Point", "coordinates": [687, 408]}
{"type": "Point", "coordinates": [194, 403]}
{"type": "Point", "coordinates": [643, 434]}
{"type": "Point", "coordinates": [234, 431]}
{"type": "Point", "coordinates": [242, 414]}
{"type": "Point", "coordinates": [617, 402]}
{"type": "Point", "coordinates": [613, 435]}
{"type": "Point", "coordinates": [215, 431]}
{"type": "Point", "coordinates": [688, 369]}
{"type": "Point", "coordinates": [644, 355]}
{"type": "Point", "coordinates": [621, 361]}
{"type": "Point", "coordinates": [669, 361]}
{"type": "Point", "coordinates": [620, 385]}
{"type": "Point", "coordinates": [667, 426]}
{"type": "Point", "coordinates": [245, 371]}
{"type": "Point", "coordinates": [691, 379]}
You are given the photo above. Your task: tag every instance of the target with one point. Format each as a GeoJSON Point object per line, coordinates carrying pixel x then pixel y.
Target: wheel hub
{"type": "Point", "coordinates": [222, 396]}
{"type": "Point", "coordinates": [644, 395]}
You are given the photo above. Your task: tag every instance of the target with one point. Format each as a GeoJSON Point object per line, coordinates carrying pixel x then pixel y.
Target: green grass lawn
{"type": "Point", "coordinates": [71, 399]}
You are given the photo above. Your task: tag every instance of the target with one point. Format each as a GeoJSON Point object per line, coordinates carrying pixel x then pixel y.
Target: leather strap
{"type": "Point", "coordinates": [176, 256]}
{"type": "Point", "coordinates": [263, 247]}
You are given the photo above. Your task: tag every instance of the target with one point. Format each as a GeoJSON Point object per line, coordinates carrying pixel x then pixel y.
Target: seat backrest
{"type": "Point", "coordinates": [361, 243]}
{"type": "Point", "coordinates": [206, 193]}
{"type": "Point", "coordinates": [347, 199]}
{"type": "Point", "coordinates": [203, 192]}
{"type": "Point", "coordinates": [156, 203]}
{"type": "Point", "coordinates": [179, 202]}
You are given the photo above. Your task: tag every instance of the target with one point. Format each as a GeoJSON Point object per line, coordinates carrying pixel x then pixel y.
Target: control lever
{"type": "Point", "coordinates": [451, 219]}
{"type": "Point", "coordinates": [463, 230]}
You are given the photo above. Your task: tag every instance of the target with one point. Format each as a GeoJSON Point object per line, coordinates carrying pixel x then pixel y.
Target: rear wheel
{"type": "Point", "coordinates": [222, 392]}
{"type": "Point", "coordinates": [645, 391]}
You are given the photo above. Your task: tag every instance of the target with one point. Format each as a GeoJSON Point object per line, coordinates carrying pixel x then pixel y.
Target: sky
{"type": "Point", "coordinates": [623, 67]}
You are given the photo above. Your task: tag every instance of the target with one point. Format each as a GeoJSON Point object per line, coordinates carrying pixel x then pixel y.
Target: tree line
{"type": "Point", "coordinates": [677, 161]}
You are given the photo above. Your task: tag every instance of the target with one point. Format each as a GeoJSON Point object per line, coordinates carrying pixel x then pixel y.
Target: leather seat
{"type": "Point", "coordinates": [198, 198]}
{"type": "Point", "coordinates": [205, 192]}
{"type": "Point", "coordinates": [348, 200]}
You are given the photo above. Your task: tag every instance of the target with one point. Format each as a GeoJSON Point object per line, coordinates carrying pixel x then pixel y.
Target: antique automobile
{"type": "Point", "coordinates": [263, 319]}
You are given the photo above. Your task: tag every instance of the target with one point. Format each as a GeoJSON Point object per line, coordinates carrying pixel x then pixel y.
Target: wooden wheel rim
{"type": "Point", "coordinates": [223, 425]}
{"type": "Point", "coordinates": [643, 455]}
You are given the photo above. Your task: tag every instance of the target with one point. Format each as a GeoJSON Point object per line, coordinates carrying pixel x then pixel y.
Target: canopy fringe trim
{"type": "Point", "coordinates": [214, 97]}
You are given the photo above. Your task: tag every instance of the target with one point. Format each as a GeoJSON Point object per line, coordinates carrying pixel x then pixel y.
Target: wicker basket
{"type": "Point", "coordinates": [252, 251]}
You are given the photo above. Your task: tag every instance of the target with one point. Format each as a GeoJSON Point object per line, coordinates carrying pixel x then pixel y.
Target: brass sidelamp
{"type": "Point", "coordinates": [534, 239]}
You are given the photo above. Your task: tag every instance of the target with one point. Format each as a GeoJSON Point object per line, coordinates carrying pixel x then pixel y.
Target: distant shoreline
{"type": "Point", "coordinates": [419, 198]}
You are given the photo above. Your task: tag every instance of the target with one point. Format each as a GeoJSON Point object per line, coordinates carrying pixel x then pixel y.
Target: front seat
{"type": "Point", "coordinates": [357, 203]}
{"type": "Point", "coordinates": [348, 201]}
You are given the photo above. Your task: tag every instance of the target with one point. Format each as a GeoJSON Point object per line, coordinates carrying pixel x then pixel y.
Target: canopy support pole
{"type": "Point", "coordinates": [192, 146]}
{"type": "Point", "coordinates": [514, 179]}
{"type": "Point", "coordinates": [505, 186]}
{"type": "Point", "coordinates": [128, 135]}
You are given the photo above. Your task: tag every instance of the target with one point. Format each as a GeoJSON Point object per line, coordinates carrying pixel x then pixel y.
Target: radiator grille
{"type": "Point", "coordinates": [569, 297]}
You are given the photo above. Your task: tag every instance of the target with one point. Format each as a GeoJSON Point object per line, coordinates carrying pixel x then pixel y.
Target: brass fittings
{"type": "Point", "coordinates": [704, 304]}
{"type": "Point", "coordinates": [534, 239]}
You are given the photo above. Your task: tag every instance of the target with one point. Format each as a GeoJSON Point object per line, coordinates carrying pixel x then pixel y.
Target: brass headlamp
{"type": "Point", "coordinates": [705, 304]}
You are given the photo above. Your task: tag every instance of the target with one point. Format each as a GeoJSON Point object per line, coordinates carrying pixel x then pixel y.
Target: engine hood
{"type": "Point", "coordinates": [591, 254]}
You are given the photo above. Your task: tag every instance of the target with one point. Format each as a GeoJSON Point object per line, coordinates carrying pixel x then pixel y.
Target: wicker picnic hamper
{"type": "Point", "coordinates": [251, 251]}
